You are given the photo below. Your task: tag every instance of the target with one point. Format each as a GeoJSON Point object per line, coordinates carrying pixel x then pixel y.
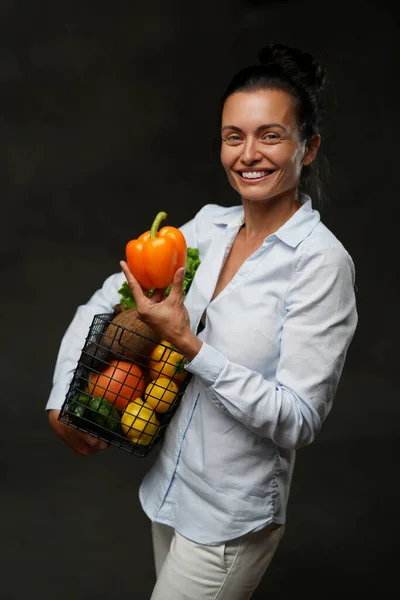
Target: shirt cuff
{"type": "Point", "coordinates": [207, 364]}
{"type": "Point", "coordinates": [57, 396]}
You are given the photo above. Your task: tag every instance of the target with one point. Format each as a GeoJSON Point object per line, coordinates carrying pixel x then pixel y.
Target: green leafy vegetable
{"type": "Point", "coordinates": [192, 263]}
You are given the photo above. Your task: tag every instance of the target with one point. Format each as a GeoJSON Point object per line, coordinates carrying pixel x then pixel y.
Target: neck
{"type": "Point", "coordinates": [262, 218]}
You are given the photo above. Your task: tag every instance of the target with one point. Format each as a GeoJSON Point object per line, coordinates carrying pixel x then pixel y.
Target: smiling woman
{"type": "Point", "coordinates": [264, 330]}
{"type": "Point", "coordinates": [303, 80]}
{"type": "Point", "coordinates": [262, 149]}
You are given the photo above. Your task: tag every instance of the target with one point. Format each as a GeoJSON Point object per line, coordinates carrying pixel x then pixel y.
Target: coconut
{"type": "Point", "coordinates": [95, 356]}
{"type": "Point", "coordinates": [128, 337]}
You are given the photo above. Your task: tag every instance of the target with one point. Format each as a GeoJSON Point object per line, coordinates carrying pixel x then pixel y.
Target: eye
{"type": "Point", "coordinates": [270, 137]}
{"type": "Point", "coordinates": [232, 139]}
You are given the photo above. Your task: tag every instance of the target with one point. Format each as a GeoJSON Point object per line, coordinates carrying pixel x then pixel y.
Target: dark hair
{"type": "Point", "coordinates": [299, 74]}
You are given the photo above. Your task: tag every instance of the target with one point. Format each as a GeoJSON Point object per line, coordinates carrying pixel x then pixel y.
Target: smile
{"type": "Point", "coordinates": [254, 176]}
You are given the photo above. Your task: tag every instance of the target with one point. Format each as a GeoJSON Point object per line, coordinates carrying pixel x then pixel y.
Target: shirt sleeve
{"type": "Point", "coordinates": [189, 231]}
{"type": "Point", "coordinates": [102, 301]}
{"type": "Point", "coordinates": [320, 321]}
{"type": "Point", "coordinates": [200, 224]}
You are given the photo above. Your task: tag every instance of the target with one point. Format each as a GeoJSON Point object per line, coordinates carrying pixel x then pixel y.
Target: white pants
{"type": "Point", "coordinates": [189, 571]}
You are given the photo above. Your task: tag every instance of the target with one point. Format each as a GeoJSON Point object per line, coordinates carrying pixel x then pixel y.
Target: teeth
{"type": "Point", "coordinates": [254, 174]}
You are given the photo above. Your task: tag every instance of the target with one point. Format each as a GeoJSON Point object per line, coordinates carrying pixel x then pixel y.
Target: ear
{"type": "Point", "coordinates": [312, 146]}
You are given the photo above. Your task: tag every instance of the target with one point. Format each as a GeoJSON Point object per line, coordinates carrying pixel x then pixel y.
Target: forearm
{"type": "Point", "coordinates": [189, 345]}
{"type": "Point", "coordinates": [69, 354]}
{"type": "Point", "coordinates": [74, 338]}
{"type": "Point", "coordinates": [267, 408]}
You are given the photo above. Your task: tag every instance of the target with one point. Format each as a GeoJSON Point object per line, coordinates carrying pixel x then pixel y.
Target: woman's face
{"type": "Point", "coordinates": [261, 151]}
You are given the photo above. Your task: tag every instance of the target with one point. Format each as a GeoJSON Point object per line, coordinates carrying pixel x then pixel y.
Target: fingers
{"type": "Point", "coordinates": [133, 284]}
{"type": "Point", "coordinates": [94, 442]}
{"type": "Point", "coordinates": [84, 450]}
{"type": "Point", "coordinates": [158, 294]}
{"type": "Point", "coordinates": [81, 442]}
{"type": "Point", "coordinates": [87, 450]}
{"type": "Point", "coordinates": [176, 292]}
{"type": "Point", "coordinates": [86, 445]}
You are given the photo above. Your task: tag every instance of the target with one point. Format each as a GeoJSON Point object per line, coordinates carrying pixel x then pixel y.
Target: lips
{"type": "Point", "coordinates": [255, 176]}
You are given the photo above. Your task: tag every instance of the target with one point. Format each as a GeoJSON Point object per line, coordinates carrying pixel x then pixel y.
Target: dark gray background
{"type": "Point", "coordinates": [109, 114]}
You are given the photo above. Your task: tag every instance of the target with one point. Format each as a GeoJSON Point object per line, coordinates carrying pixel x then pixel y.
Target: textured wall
{"type": "Point", "coordinates": [108, 114]}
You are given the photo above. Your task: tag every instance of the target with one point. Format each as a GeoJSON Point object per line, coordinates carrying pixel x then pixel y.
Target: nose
{"type": "Point", "coordinates": [251, 152]}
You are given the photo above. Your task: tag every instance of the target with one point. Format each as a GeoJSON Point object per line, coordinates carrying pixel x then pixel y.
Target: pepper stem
{"type": "Point", "coordinates": [156, 223]}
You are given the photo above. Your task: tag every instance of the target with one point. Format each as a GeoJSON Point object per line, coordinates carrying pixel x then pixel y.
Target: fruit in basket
{"type": "Point", "coordinates": [102, 412]}
{"type": "Point", "coordinates": [126, 335]}
{"type": "Point", "coordinates": [167, 362]}
{"type": "Point", "coordinates": [139, 422]}
{"type": "Point", "coordinates": [155, 256]}
{"type": "Point", "coordinates": [95, 356]}
{"type": "Point", "coordinates": [77, 408]}
{"type": "Point", "coordinates": [120, 383]}
{"type": "Point", "coordinates": [161, 394]}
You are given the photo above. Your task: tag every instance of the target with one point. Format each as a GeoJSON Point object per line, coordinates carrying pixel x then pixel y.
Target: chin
{"type": "Point", "coordinates": [253, 195]}
{"type": "Point", "coordinates": [272, 196]}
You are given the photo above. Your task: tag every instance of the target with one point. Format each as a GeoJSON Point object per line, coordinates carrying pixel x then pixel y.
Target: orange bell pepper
{"type": "Point", "coordinates": [155, 256]}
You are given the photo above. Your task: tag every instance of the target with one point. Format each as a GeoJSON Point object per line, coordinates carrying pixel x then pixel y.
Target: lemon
{"type": "Point", "coordinates": [167, 362]}
{"type": "Point", "coordinates": [161, 393]}
{"type": "Point", "coordinates": [139, 423]}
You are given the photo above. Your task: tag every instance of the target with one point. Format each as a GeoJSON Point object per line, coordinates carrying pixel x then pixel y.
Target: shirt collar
{"type": "Point", "coordinates": [294, 231]}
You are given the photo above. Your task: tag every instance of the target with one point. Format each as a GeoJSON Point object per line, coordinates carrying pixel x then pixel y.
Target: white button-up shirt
{"type": "Point", "coordinates": [274, 346]}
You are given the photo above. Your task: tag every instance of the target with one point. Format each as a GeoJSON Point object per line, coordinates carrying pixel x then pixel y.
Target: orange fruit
{"type": "Point", "coordinates": [120, 383]}
{"type": "Point", "coordinates": [167, 362]}
{"type": "Point", "coordinates": [161, 394]}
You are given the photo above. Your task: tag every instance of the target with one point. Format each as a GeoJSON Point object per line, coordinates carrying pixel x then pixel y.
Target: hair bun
{"type": "Point", "coordinates": [294, 63]}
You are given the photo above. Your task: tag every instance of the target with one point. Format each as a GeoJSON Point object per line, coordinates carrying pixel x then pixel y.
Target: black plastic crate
{"type": "Point", "coordinates": [107, 391]}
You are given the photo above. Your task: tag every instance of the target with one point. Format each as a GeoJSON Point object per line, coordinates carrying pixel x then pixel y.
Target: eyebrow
{"type": "Point", "coordinates": [265, 126]}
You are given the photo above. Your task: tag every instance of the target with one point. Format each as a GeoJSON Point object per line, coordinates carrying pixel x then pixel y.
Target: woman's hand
{"type": "Point", "coordinates": [81, 443]}
{"type": "Point", "coordinates": [166, 315]}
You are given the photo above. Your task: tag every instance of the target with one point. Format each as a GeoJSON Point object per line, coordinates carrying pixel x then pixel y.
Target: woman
{"type": "Point", "coordinates": [265, 329]}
